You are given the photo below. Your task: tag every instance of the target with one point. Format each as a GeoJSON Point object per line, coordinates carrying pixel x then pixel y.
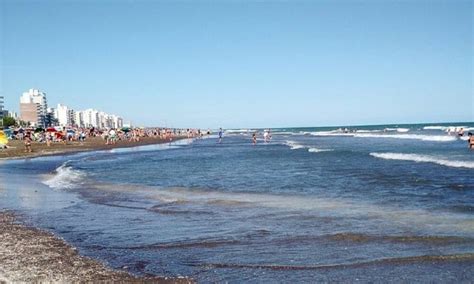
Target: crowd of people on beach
{"type": "Point", "coordinates": [64, 135]}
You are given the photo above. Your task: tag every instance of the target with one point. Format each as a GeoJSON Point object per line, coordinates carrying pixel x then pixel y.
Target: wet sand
{"type": "Point", "coordinates": [16, 149]}
{"type": "Point", "coordinates": [32, 255]}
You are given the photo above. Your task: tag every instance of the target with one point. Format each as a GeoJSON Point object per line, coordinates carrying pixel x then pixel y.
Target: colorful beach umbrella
{"type": "Point", "coordinates": [50, 129]}
{"type": "Point", "coordinates": [3, 138]}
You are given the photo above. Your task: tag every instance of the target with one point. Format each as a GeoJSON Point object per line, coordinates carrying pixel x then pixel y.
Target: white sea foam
{"type": "Point", "coordinates": [434, 138]}
{"type": "Point", "coordinates": [317, 150]}
{"type": "Point", "coordinates": [368, 131]}
{"type": "Point", "coordinates": [450, 128]}
{"type": "Point", "coordinates": [296, 146]}
{"type": "Point", "coordinates": [424, 159]}
{"type": "Point", "coordinates": [397, 129]}
{"type": "Point", "coordinates": [330, 133]}
{"type": "Point", "coordinates": [434, 127]}
{"type": "Point", "coordinates": [65, 177]}
{"type": "Point", "coordinates": [238, 130]}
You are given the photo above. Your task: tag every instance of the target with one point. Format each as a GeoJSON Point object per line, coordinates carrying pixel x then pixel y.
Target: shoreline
{"type": "Point", "coordinates": [16, 147]}
{"type": "Point", "coordinates": [29, 254]}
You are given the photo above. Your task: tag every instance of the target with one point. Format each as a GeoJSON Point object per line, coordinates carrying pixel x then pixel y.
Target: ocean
{"type": "Point", "coordinates": [386, 203]}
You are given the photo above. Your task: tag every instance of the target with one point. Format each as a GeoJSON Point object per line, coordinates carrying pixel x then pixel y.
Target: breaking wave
{"type": "Point", "coordinates": [296, 146]}
{"type": "Point", "coordinates": [65, 177]}
{"type": "Point", "coordinates": [424, 159]}
{"type": "Point", "coordinates": [433, 138]}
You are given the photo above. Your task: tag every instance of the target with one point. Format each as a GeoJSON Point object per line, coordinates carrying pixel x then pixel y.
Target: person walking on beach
{"type": "Point", "coordinates": [28, 143]}
{"type": "Point", "coordinates": [220, 135]}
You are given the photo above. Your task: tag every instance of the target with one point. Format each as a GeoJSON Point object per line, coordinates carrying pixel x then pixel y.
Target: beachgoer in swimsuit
{"type": "Point", "coordinates": [220, 135]}
{"type": "Point", "coordinates": [28, 143]}
{"type": "Point", "coordinates": [470, 141]}
{"type": "Point", "coordinates": [254, 138]}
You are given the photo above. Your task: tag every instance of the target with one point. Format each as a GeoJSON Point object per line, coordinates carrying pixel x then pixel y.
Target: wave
{"type": "Point", "coordinates": [397, 129]}
{"type": "Point", "coordinates": [239, 130]}
{"type": "Point", "coordinates": [434, 127]}
{"type": "Point", "coordinates": [296, 146]}
{"type": "Point", "coordinates": [450, 128]}
{"type": "Point", "coordinates": [424, 159]}
{"type": "Point", "coordinates": [65, 177]}
{"type": "Point", "coordinates": [432, 138]}
{"type": "Point", "coordinates": [317, 150]}
{"type": "Point", "coordinates": [367, 131]}
{"type": "Point", "coordinates": [329, 133]}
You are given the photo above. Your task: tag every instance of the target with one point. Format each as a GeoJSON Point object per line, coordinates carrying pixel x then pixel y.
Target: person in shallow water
{"type": "Point", "coordinates": [220, 135]}
{"type": "Point", "coordinates": [470, 141]}
{"type": "Point", "coordinates": [254, 138]}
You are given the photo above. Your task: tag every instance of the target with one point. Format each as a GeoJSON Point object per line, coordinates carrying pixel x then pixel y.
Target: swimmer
{"type": "Point", "coordinates": [254, 137]}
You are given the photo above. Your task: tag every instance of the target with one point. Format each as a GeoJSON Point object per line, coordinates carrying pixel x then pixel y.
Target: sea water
{"type": "Point", "coordinates": [374, 203]}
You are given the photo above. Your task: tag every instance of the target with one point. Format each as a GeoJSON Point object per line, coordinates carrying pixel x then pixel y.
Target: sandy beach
{"type": "Point", "coordinates": [32, 255]}
{"type": "Point", "coordinates": [16, 148]}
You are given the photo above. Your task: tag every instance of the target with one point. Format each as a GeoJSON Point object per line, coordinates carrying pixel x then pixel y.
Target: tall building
{"type": "Point", "coordinates": [90, 118]}
{"type": "Point", "coordinates": [64, 115]}
{"type": "Point", "coordinates": [33, 107]}
{"type": "Point", "coordinates": [79, 119]}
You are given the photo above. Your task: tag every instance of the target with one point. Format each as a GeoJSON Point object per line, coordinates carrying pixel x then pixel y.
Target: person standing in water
{"type": "Point", "coordinates": [220, 135]}
{"type": "Point", "coordinates": [254, 137]}
{"type": "Point", "coordinates": [470, 141]}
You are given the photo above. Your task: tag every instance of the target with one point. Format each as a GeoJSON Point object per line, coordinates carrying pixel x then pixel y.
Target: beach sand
{"type": "Point", "coordinates": [16, 149]}
{"type": "Point", "coordinates": [32, 255]}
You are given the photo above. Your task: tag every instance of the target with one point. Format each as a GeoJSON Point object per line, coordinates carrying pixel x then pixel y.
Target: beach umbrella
{"type": "Point", "coordinates": [70, 131]}
{"type": "Point", "coordinates": [3, 138]}
{"type": "Point", "coordinates": [8, 132]}
{"type": "Point", "coordinates": [125, 129]}
{"type": "Point", "coordinates": [50, 129]}
{"type": "Point", "coordinates": [39, 129]}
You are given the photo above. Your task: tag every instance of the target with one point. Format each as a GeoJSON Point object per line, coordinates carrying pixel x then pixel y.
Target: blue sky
{"type": "Point", "coordinates": [244, 63]}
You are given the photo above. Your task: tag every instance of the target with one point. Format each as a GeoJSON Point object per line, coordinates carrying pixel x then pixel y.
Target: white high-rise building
{"type": "Point", "coordinates": [64, 115]}
{"type": "Point", "coordinates": [90, 118]}
{"type": "Point", "coordinates": [33, 107]}
{"type": "Point", "coordinates": [79, 119]}
{"type": "Point", "coordinates": [116, 121]}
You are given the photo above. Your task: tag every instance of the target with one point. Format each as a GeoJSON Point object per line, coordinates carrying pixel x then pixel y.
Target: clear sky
{"type": "Point", "coordinates": [244, 63]}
